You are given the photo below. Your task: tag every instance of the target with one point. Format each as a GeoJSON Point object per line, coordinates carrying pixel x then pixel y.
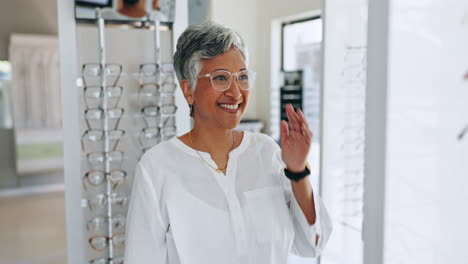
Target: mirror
{"type": "Point", "coordinates": [36, 103]}
{"type": "Point", "coordinates": [5, 112]}
{"type": "Point", "coordinates": [30, 112]}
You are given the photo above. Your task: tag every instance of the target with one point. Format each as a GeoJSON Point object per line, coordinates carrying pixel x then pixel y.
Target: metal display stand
{"type": "Point", "coordinates": [102, 54]}
{"type": "Point", "coordinates": [103, 152]}
{"type": "Point", "coordinates": [96, 214]}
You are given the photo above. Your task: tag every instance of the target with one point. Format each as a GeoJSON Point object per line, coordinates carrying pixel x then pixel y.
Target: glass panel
{"type": "Point", "coordinates": [343, 123]}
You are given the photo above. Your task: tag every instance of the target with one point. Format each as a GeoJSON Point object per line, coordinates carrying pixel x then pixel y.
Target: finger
{"type": "Point", "coordinates": [284, 131]}
{"type": "Point", "coordinates": [292, 118]}
{"type": "Point", "coordinates": [301, 115]}
{"type": "Point", "coordinates": [288, 114]}
{"type": "Point", "coordinates": [293, 114]}
{"type": "Point", "coordinates": [308, 136]}
{"type": "Point", "coordinates": [284, 128]}
{"type": "Point", "coordinates": [304, 125]}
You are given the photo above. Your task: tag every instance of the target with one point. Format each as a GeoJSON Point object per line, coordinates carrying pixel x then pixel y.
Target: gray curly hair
{"type": "Point", "coordinates": [204, 41]}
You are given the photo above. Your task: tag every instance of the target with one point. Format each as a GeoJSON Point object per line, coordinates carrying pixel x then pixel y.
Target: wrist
{"type": "Point", "coordinates": [297, 175]}
{"type": "Point", "coordinates": [297, 169]}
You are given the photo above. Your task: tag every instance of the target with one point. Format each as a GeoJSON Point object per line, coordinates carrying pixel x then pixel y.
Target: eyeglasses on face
{"type": "Point", "coordinates": [221, 79]}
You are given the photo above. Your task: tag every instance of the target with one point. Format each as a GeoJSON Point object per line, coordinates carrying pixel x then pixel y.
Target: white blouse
{"type": "Point", "coordinates": [183, 211]}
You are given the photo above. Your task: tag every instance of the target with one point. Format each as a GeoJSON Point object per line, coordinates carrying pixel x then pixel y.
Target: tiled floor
{"type": "Point", "coordinates": [32, 229]}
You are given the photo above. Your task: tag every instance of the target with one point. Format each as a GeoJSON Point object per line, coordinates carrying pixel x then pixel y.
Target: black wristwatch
{"type": "Point", "coordinates": [296, 176]}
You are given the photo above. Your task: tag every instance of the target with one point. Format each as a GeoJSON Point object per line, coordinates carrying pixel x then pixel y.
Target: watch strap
{"type": "Point", "coordinates": [296, 176]}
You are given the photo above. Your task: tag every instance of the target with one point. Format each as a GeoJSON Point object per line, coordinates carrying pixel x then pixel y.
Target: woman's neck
{"type": "Point", "coordinates": [214, 141]}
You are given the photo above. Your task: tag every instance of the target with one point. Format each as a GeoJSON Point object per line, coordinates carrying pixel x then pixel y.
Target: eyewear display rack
{"type": "Point", "coordinates": [113, 112]}
{"type": "Point", "coordinates": [106, 187]}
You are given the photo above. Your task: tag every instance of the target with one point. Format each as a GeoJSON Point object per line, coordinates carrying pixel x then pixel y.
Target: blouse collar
{"type": "Point", "coordinates": [181, 145]}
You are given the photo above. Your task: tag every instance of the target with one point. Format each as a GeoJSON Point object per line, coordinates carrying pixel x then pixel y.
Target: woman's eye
{"type": "Point", "coordinates": [220, 78]}
{"type": "Point", "coordinates": [244, 77]}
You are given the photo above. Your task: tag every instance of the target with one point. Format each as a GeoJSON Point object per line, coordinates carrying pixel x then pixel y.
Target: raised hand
{"type": "Point", "coordinates": [296, 139]}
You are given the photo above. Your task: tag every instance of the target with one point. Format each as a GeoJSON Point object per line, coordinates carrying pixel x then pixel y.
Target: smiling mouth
{"type": "Point", "coordinates": [230, 107]}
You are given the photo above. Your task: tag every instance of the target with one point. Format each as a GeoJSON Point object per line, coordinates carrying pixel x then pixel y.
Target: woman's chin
{"type": "Point", "coordinates": [232, 124]}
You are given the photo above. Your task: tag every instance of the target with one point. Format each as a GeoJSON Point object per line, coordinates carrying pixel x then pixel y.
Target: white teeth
{"type": "Point", "coordinates": [233, 107]}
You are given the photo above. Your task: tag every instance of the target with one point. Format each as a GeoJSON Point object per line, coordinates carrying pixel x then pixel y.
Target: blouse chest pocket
{"type": "Point", "coordinates": [269, 215]}
{"type": "Point", "coordinates": [197, 229]}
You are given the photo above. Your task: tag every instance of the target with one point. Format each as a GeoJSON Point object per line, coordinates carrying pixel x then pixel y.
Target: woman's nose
{"type": "Point", "coordinates": [234, 89]}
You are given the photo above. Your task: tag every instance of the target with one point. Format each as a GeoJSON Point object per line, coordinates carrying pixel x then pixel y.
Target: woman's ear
{"type": "Point", "coordinates": [187, 91]}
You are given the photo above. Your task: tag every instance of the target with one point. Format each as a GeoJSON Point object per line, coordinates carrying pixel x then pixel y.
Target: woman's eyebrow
{"type": "Point", "coordinates": [242, 69]}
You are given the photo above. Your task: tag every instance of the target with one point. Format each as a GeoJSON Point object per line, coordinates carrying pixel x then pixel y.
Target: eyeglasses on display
{"type": "Point", "coordinates": [96, 178]}
{"type": "Point", "coordinates": [95, 136]}
{"type": "Point", "coordinates": [99, 243]}
{"type": "Point", "coordinates": [99, 223]}
{"type": "Point", "coordinates": [118, 200]}
{"type": "Point", "coordinates": [92, 73]}
{"type": "Point", "coordinates": [93, 95]}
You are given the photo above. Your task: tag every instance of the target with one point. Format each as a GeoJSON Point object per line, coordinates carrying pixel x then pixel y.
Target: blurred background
{"type": "Point", "coordinates": [383, 86]}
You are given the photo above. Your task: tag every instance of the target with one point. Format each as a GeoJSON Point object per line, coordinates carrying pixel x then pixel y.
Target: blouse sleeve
{"type": "Point", "coordinates": [305, 234]}
{"type": "Point", "coordinates": [145, 231]}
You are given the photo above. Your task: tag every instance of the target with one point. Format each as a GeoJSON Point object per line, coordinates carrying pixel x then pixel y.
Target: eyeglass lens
{"type": "Point", "coordinates": [222, 80]}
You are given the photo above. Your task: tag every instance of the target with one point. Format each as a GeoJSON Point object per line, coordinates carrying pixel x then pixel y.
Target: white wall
{"type": "Point", "coordinates": [426, 183]}
{"type": "Point", "coordinates": [252, 19]}
{"type": "Point", "coordinates": [229, 13]}
{"type": "Point", "coordinates": [17, 17]}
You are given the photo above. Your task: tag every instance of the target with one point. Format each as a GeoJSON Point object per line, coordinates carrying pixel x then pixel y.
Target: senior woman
{"type": "Point", "coordinates": [218, 195]}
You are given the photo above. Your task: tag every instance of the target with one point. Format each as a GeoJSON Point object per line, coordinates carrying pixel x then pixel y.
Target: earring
{"type": "Point", "coordinates": [191, 109]}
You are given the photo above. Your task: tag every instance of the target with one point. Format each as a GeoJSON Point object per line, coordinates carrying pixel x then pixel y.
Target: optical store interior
{"type": "Point", "coordinates": [383, 86]}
